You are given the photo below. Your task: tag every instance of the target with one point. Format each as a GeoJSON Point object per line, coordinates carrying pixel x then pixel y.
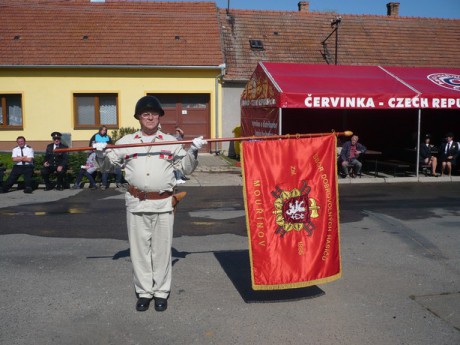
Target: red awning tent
{"type": "Point", "coordinates": [275, 88]}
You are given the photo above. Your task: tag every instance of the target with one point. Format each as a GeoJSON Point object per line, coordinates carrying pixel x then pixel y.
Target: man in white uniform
{"type": "Point", "coordinates": [149, 170]}
{"type": "Point", "coordinates": [23, 158]}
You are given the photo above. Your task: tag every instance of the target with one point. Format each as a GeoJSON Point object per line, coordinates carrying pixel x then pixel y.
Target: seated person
{"type": "Point", "coordinates": [55, 163]}
{"type": "Point", "coordinates": [23, 158]}
{"type": "Point", "coordinates": [2, 172]}
{"type": "Point", "coordinates": [351, 150]}
{"type": "Point", "coordinates": [119, 179]}
{"type": "Point", "coordinates": [115, 170]}
{"type": "Point", "coordinates": [426, 156]}
{"type": "Point", "coordinates": [102, 137]}
{"type": "Point", "coordinates": [180, 177]}
{"type": "Point", "coordinates": [448, 154]}
{"type": "Point", "coordinates": [87, 170]}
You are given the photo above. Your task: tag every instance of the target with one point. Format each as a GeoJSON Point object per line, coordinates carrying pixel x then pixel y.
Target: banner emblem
{"type": "Point", "coordinates": [294, 210]}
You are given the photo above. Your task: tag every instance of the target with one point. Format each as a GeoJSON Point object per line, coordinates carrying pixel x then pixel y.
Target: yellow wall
{"type": "Point", "coordinates": [48, 95]}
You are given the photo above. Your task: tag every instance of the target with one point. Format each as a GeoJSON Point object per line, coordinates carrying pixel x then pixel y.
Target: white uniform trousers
{"type": "Point", "coordinates": [150, 240]}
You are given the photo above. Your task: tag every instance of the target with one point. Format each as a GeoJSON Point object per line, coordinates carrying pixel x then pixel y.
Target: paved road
{"type": "Point", "coordinates": [66, 274]}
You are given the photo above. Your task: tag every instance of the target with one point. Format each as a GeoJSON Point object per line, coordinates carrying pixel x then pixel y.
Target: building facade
{"type": "Point", "coordinates": [72, 66]}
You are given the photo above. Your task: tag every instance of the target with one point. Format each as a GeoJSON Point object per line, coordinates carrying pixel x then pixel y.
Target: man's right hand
{"type": "Point", "coordinates": [198, 143]}
{"type": "Point", "coordinates": [100, 149]}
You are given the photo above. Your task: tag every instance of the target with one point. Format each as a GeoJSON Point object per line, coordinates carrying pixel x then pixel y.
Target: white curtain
{"type": "Point", "coordinates": [108, 110]}
{"type": "Point", "coordinates": [85, 109]}
{"type": "Point", "coordinates": [14, 111]}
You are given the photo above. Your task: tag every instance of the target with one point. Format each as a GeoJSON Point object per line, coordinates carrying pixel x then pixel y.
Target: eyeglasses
{"type": "Point", "coordinates": [147, 115]}
{"type": "Point", "coordinates": [56, 138]}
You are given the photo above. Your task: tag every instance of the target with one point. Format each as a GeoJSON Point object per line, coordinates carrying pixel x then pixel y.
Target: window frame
{"type": "Point", "coordinates": [4, 114]}
{"type": "Point", "coordinates": [97, 115]}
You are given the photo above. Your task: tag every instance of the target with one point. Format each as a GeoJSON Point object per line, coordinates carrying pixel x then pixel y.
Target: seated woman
{"type": "Point", "coordinates": [87, 170]}
{"type": "Point", "coordinates": [448, 154]}
{"type": "Point", "coordinates": [426, 156]}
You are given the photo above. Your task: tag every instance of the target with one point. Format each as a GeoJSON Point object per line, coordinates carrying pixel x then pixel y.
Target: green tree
{"type": "Point", "coordinates": [119, 133]}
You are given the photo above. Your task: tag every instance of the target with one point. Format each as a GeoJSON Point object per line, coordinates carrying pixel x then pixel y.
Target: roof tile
{"type": "Point", "coordinates": [118, 33]}
{"type": "Point", "coordinates": [363, 40]}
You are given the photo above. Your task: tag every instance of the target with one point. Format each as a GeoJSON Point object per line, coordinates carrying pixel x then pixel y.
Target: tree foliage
{"type": "Point", "coordinates": [119, 133]}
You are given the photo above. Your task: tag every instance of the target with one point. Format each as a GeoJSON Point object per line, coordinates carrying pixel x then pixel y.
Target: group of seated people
{"type": "Point", "coordinates": [56, 163]}
{"type": "Point", "coordinates": [445, 155]}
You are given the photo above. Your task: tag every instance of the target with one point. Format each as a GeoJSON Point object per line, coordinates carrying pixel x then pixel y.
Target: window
{"type": "Point", "coordinates": [10, 111]}
{"type": "Point", "coordinates": [195, 101]}
{"type": "Point", "coordinates": [94, 110]}
{"type": "Point", "coordinates": [256, 44]}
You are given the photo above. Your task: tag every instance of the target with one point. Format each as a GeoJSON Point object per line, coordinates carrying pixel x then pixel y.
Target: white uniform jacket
{"type": "Point", "coordinates": [27, 151]}
{"type": "Point", "coordinates": [150, 168]}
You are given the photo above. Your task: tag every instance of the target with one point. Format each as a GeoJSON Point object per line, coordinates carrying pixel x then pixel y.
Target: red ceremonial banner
{"type": "Point", "coordinates": [292, 215]}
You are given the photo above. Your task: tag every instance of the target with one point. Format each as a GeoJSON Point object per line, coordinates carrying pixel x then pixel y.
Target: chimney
{"type": "Point", "coordinates": [304, 6]}
{"type": "Point", "coordinates": [393, 9]}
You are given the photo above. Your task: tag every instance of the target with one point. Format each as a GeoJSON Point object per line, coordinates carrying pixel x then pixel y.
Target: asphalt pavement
{"type": "Point", "coordinates": [400, 284]}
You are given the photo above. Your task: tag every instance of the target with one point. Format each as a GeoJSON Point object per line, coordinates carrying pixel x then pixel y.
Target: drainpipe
{"type": "Point", "coordinates": [417, 162]}
{"type": "Point", "coordinates": [216, 93]}
{"type": "Point", "coordinates": [280, 121]}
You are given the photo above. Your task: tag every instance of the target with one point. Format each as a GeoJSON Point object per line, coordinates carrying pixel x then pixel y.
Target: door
{"type": "Point", "coordinates": [190, 112]}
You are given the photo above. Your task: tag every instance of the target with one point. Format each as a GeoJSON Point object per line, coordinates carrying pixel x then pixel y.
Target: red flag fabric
{"type": "Point", "coordinates": [292, 215]}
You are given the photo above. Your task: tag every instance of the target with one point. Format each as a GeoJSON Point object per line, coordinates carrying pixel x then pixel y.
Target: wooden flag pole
{"type": "Point", "coordinates": [211, 140]}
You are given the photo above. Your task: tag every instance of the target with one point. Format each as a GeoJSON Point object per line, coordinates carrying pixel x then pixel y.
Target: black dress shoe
{"type": "Point", "coordinates": [28, 190]}
{"type": "Point", "coordinates": [161, 304]}
{"type": "Point", "coordinates": [60, 188]}
{"type": "Point", "coordinates": [48, 188]}
{"type": "Point", "coordinates": [142, 304]}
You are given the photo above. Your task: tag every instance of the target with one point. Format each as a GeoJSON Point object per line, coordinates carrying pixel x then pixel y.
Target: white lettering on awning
{"type": "Point", "coordinates": [369, 103]}
{"type": "Point", "coordinates": [339, 102]}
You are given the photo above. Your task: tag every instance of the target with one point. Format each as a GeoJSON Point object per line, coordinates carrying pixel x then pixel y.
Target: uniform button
{"type": "Point", "coordinates": [148, 174]}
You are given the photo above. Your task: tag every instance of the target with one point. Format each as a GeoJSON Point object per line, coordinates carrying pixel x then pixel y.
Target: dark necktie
{"type": "Point", "coordinates": [22, 154]}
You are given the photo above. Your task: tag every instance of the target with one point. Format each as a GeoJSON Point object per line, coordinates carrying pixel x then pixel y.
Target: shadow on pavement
{"type": "Point", "coordinates": [236, 265]}
{"type": "Point", "coordinates": [176, 255]}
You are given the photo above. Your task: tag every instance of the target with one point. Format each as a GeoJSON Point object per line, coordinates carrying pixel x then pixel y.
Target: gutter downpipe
{"type": "Point", "coordinates": [417, 163]}
{"type": "Point", "coordinates": [217, 104]}
{"type": "Point", "coordinates": [280, 120]}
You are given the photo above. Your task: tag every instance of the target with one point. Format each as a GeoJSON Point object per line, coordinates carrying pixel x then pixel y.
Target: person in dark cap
{"type": "Point", "coordinates": [55, 163]}
{"type": "Point", "coordinates": [448, 154]}
{"type": "Point", "coordinates": [150, 199]}
{"type": "Point", "coordinates": [426, 154]}
{"type": "Point", "coordinates": [56, 135]}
